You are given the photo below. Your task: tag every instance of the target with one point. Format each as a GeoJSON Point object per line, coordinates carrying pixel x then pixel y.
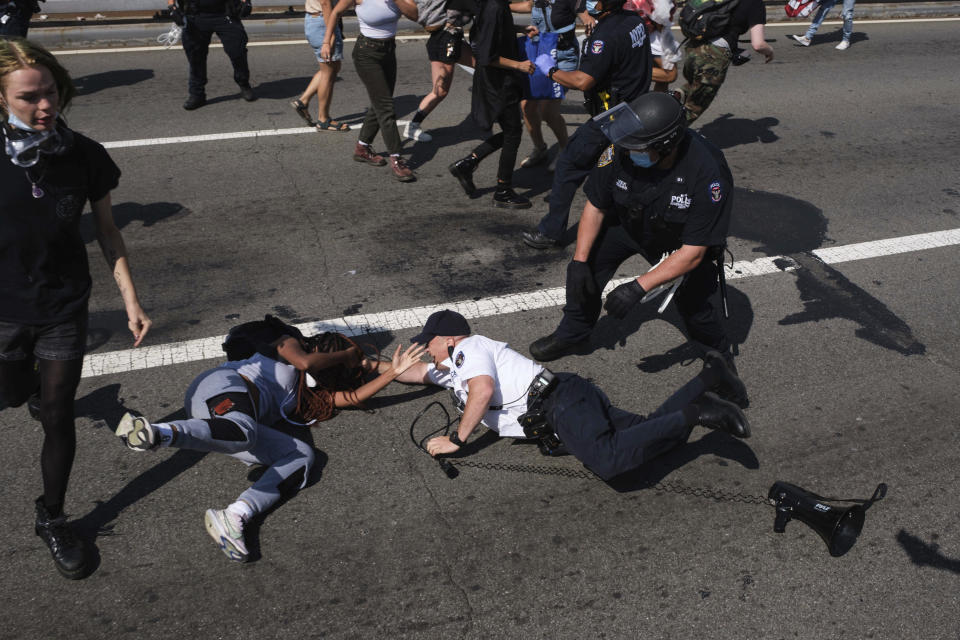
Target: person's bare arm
{"type": "Point", "coordinates": [401, 362]}
{"type": "Point", "coordinates": [591, 221]}
{"type": "Point", "coordinates": [682, 261]}
{"type": "Point", "coordinates": [115, 253]}
{"type": "Point", "coordinates": [759, 43]}
{"type": "Point", "coordinates": [479, 392]}
{"type": "Point", "coordinates": [408, 8]}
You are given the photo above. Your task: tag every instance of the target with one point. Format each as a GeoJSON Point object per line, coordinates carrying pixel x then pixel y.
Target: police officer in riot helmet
{"type": "Point", "coordinates": [616, 67]}
{"type": "Point", "coordinates": [200, 19]}
{"type": "Point", "coordinates": [658, 190]}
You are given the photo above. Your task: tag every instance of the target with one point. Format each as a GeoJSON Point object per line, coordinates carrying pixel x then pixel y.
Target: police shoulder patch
{"type": "Point", "coordinates": [715, 193]}
{"type": "Point", "coordinates": [606, 157]}
{"type": "Point", "coordinates": [459, 360]}
{"type": "Point", "coordinates": [596, 46]}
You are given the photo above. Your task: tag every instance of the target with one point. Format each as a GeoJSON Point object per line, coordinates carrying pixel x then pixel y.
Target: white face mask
{"type": "Point", "coordinates": [18, 123]}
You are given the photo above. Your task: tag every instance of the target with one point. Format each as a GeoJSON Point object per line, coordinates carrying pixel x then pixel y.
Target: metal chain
{"type": "Point", "coordinates": [666, 486]}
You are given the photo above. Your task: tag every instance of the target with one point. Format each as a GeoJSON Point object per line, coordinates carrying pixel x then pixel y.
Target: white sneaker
{"type": "Point", "coordinates": [843, 46]}
{"type": "Point", "coordinates": [226, 529]}
{"type": "Point", "coordinates": [539, 155]}
{"type": "Point", "coordinates": [413, 132]}
{"type": "Point", "coordinates": [803, 40]}
{"type": "Point", "coordinates": [136, 432]}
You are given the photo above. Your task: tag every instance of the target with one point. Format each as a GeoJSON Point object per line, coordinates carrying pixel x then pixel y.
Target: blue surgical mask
{"type": "Point", "coordinates": [642, 159]}
{"type": "Point", "coordinates": [18, 123]}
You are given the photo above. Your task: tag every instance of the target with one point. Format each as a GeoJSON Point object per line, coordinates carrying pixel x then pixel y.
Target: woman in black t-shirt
{"type": "Point", "coordinates": [47, 174]}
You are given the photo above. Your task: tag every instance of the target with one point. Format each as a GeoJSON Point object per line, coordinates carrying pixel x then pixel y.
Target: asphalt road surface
{"type": "Point", "coordinates": [849, 350]}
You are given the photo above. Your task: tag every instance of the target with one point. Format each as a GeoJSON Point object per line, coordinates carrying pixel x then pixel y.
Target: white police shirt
{"type": "Point", "coordinates": [512, 374]}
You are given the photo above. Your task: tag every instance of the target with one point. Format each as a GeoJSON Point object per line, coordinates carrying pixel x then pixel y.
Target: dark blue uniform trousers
{"type": "Point", "coordinates": [610, 441]}
{"type": "Point", "coordinates": [694, 298]}
{"type": "Point", "coordinates": [17, 24]}
{"type": "Point", "coordinates": [573, 166]}
{"type": "Point", "coordinates": [196, 44]}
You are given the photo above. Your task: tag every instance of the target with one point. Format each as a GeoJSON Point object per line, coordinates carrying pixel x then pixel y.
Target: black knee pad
{"type": "Point", "coordinates": [291, 483]}
{"type": "Point", "coordinates": [225, 430]}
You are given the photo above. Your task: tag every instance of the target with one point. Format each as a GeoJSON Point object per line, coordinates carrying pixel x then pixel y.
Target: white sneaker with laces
{"type": "Point", "coordinates": [136, 432]}
{"type": "Point", "coordinates": [843, 46]}
{"type": "Point", "coordinates": [413, 132]}
{"type": "Point", "coordinates": [226, 529]}
{"type": "Point", "coordinates": [803, 40]}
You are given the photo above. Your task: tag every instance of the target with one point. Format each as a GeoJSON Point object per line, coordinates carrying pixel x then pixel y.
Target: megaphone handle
{"type": "Point", "coordinates": [781, 519]}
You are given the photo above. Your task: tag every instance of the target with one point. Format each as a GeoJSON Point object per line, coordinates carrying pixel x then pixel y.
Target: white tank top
{"type": "Point", "coordinates": [378, 18]}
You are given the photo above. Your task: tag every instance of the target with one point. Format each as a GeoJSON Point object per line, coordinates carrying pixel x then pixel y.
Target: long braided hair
{"type": "Point", "coordinates": [316, 404]}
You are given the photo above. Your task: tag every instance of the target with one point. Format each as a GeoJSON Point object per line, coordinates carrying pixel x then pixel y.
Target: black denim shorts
{"type": "Point", "coordinates": [65, 340]}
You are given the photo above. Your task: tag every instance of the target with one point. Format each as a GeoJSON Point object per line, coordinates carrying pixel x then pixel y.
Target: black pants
{"type": "Point", "coordinates": [17, 21]}
{"type": "Point", "coordinates": [508, 141]}
{"type": "Point", "coordinates": [573, 166]}
{"type": "Point", "coordinates": [376, 64]}
{"type": "Point", "coordinates": [610, 441]}
{"type": "Point", "coordinates": [196, 43]}
{"type": "Point", "coordinates": [694, 298]}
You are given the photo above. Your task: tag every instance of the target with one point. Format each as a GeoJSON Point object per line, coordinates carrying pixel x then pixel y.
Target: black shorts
{"type": "Point", "coordinates": [443, 46]}
{"type": "Point", "coordinates": [65, 340]}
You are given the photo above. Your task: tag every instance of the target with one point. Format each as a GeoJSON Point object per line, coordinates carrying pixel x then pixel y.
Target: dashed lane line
{"type": "Point", "coordinates": [113, 362]}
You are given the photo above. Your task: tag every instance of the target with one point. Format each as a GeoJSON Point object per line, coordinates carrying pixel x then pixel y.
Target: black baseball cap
{"type": "Point", "coordinates": [442, 323]}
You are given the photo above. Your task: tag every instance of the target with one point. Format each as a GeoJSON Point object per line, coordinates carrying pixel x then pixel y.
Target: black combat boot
{"type": "Point", "coordinates": [463, 170]}
{"type": "Point", "coordinates": [720, 375]}
{"type": "Point", "coordinates": [66, 549]}
{"type": "Point", "coordinates": [713, 412]}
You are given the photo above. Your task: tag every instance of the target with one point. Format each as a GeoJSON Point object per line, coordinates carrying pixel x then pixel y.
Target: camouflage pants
{"type": "Point", "coordinates": [705, 68]}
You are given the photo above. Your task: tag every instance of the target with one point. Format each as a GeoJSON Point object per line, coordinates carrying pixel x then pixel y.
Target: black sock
{"type": "Point", "coordinates": [418, 117]}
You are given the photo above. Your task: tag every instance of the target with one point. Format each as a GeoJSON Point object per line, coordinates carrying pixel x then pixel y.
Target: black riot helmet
{"type": "Point", "coordinates": [654, 120]}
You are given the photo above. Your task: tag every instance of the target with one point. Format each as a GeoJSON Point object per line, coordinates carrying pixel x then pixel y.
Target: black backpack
{"type": "Point", "coordinates": [706, 20]}
{"type": "Point", "coordinates": [258, 336]}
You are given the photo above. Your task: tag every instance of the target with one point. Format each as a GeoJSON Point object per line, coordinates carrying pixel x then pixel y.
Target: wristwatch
{"type": "Point", "coordinates": [551, 72]}
{"type": "Point", "coordinates": [455, 439]}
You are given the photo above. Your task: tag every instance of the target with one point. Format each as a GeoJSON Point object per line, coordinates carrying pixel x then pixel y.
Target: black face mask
{"type": "Point", "coordinates": [24, 148]}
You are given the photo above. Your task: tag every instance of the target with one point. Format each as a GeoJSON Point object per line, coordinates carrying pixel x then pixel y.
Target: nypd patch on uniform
{"type": "Point", "coordinates": [596, 47]}
{"type": "Point", "coordinates": [606, 157]}
{"type": "Point", "coordinates": [715, 193]}
{"type": "Point", "coordinates": [459, 360]}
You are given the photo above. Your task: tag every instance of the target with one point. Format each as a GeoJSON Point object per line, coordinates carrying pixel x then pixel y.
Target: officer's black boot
{"type": "Point", "coordinates": [463, 170]}
{"type": "Point", "coordinates": [66, 549]}
{"type": "Point", "coordinates": [551, 347]}
{"type": "Point", "coordinates": [713, 412]}
{"type": "Point", "coordinates": [506, 198]}
{"type": "Point", "coordinates": [720, 375]}
{"type": "Point", "coordinates": [246, 92]}
{"type": "Point", "coordinates": [194, 102]}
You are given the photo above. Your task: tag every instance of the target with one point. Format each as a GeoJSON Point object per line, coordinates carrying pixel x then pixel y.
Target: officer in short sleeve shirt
{"type": "Point", "coordinates": [616, 67]}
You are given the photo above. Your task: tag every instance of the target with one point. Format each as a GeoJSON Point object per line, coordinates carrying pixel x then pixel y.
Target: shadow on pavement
{"type": "Point", "coordinates": [926, 554]}
{"type": "Point", "coordinates": [109, 79]}
{"type": "Point", "coordinates": [714, 443]}
{"type": "Point", "coordinates": [794, 228]}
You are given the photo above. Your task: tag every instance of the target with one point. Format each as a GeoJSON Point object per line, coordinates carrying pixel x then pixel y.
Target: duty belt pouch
{"type": "Point", "coordinates": [534, 421]}
{"type": "Point", "coordinates": [566, 40]}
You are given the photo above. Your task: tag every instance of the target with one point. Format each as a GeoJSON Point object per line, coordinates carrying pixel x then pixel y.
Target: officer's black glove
{"type": "Point", "coordinates": [581, 287]}
{"type": "Point", "coordinates": [176, 15]}
{"type": "Point", "coordinates": [246, 8]}
{"type": "Point", "coordinates": [622, 299]}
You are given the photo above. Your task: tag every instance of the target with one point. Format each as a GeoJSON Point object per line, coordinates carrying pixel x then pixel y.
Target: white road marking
{"type": "Point", "coordinates": [276, 43]}
{"type": "Point", "coordinates": [113, 362]}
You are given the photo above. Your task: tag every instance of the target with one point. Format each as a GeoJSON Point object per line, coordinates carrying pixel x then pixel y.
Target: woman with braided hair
{"type": "Point", "coordinates": [231, 409]}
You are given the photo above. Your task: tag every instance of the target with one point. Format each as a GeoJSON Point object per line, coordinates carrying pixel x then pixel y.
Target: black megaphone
{"type": "Point", "coordinates": [838, 526]}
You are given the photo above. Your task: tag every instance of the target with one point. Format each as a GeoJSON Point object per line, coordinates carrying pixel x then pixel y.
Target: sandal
{"type": "Point", "coordinates": [303, 112]}
{"type": "Point", "coordinates": [332, 125]}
